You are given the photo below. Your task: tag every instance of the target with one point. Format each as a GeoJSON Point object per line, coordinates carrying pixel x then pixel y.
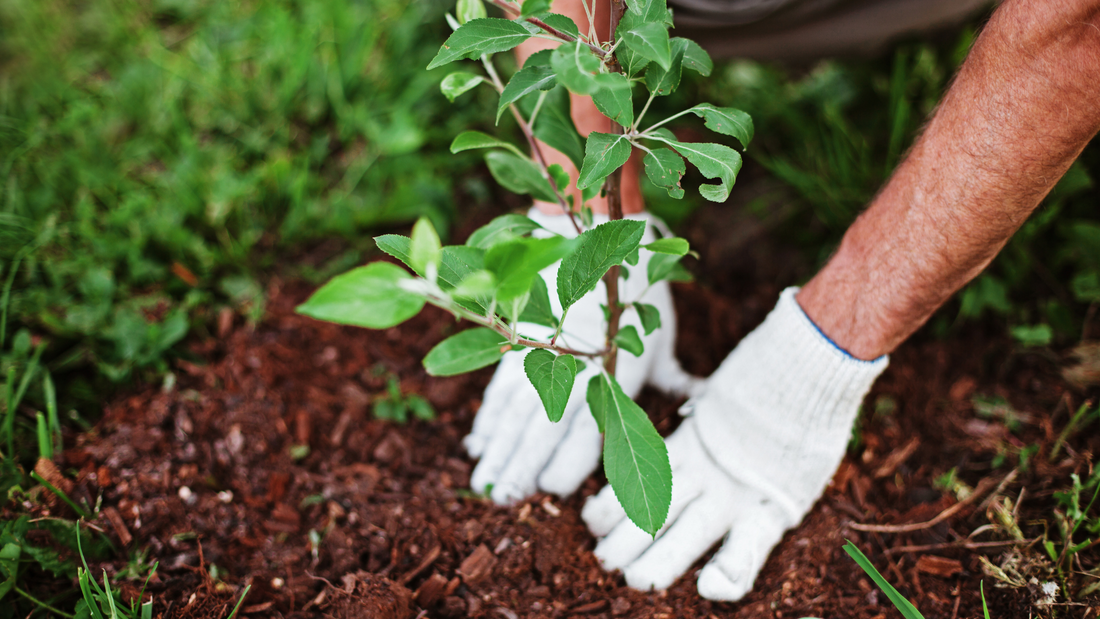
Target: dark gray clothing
{"type": "Point", "coordinates": [804, 29]}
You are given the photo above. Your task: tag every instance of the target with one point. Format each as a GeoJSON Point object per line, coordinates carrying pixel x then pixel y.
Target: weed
{"type": "Point", "coordinates": [395, 406]}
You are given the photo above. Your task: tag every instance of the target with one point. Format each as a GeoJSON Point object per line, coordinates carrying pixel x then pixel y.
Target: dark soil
{"type": "Point", "coordinates": [375, 519]}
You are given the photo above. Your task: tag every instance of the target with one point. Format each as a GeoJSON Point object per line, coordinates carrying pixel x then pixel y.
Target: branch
{"type": "Point", "coordinates": [558, 34]}
{"type": "Point", "coordinates": [614, 211]}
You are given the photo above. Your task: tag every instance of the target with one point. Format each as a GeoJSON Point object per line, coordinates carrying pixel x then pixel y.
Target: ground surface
{"type": "Point", "coordinates": [375, 520]}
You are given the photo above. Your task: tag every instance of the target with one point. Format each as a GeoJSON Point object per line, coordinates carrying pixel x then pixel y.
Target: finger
{"type": "Point", "coordinates": [502, 444]}
{"type": "Point", "coordinates": [602, 512]}
{"type": "Point", "coordinates": [626, 542]}
{"type": "Point", "coordinates": [535, 446]}
{"type": "Point", "coordinates": [576, 456]}
{"type": "Point", "coordinates": [701, 524]}
{"type": "Point", "coordinates": [508, 379]}
{"type": "Point", "coordinates": [732, 571]}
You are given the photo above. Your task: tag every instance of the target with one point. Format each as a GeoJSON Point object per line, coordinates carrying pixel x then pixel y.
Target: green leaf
{"type": "Point", "coordinates": [650, 40]}
{"type": "Point", "coordinates": [695, 58]}
{"type": "Point", "coordinates": [634, 456]}
{"type": "Point", "coordinates": [714, 161]}
{"type": "Point", "coordinates": [603, 154]}
{"type": "Point", "coordinates": [503, 228]}
{"type": "Point", "coordinates": [650, 317]}
{"type": "Point", "coordinates": [666, 266]}
{"type": "Point", "coordinates": [628, 339]}
{"type": "Point", "coordinates": [598, 250]}
{"type": "Point", "coordinates": [907, 610]}
{"type": "Point", "coordinates": [642, 11]}
{"type": "Point", "coordinates": [577, 68]}
{"type": "Point", "coordinates": [469, 140]}
{"type": "Point", "coordinates": [369, 296]}
{"type": "Point", "coordinates": [562, 23]}
{"type": "Point", "coordinates": [672, 245]}
{"type": "Point", "coordinates": [632, 258]}
{"type": "Point", "coordinates": [516, 263]}
{"type": "Point", "coordinates": [476, 285]}
{"type": "Point", "coordinates": [534, 7]}
{"type": "Point", "coordinates": [727, 121]}
{"type": "Point", "coordinates": [1031, 336]}
{"type": "Point", "coordinates": [613, 99]}
{"type": "Point", "coordinates": [456, 261]}
{"type": "Point", "coordinates": [554, 126]}
{"type": "Point", "coordinates": [665, 168]}
{"type": "Point", "coordinates": [560, 176]}
{"type": "Point", "coordinates": [469, 10]}
{"type": "Point", "coordinates": [527, 80]}
{"type": "Point", "coordinates": [661, 81]}
{"type": "Point", "coordinates": [519, 175]}
{"type": "Point", "coordinates": [598, 396]}
{"type": "Point", "coordinates": [457, 83]}
{"type": "Point", "coordinates": [538, 310]}
{"type": "Point", "coordinates": [553, 376]}
{"type": "Point", "coordinates": [464, 352]}
{"type": "Point", "coordinates": [487, 35]}
{"type": "Point", "coordinates": [424, 248]}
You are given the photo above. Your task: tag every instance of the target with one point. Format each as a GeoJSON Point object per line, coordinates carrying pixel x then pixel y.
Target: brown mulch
{"type": "Point", "coordinates": [264, 466]}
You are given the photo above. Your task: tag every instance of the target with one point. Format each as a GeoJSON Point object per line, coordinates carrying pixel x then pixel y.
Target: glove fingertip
{"type": "Point", "coordinates": [716, 585]}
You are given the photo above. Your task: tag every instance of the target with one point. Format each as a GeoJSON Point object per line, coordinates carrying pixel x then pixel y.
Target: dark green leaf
{"type": "Point", "coordinates": [577, 68]}
{"type": "Point", "coordinates": [598, 397]}
{"type": "Point", "coordinates": [560, 176]}
{"type": "Point", "coordinates": [465, 352]}
{"type": "Point", "coordinates": [634, 456]}
{"type": "Point", "coordinates": [727, 121]}
{"type": "Point", "coordinates": [662, 82]}
{"type": "Point", "coordinates": [527, 80]}
{"type": "Point", "coordinates": [666, 266]}
{"type": "Point", "coordinates": [469, 140]}
{"type": "Point", "coordinates": [907, 610]}
{"type": "Point", "coordinates": [503, 228]}
{"type": "Point", "coordinates": [603, 154]}
{"type": "Point", "coordinates": [553, 376]}
{"type": "Point", "coordinates": [650, 317]}
{"type": "Point", "coordinates": [539, 310]}
{"type": "Point", "coordinates": [714, 161]}
{"type": "Point", "coordinates": [599, 249]}
{"type": "Point", "coordinates": [628, 339]}
{"type": "Point", "coordinates": [554, 126]}
{"type": "Point", "coordinates": [519, 175]}
{"type": "Point", "coordinates": [516, 263]}
{"type": "Point", "coordinates": [665, 168]}
{"type": "Point", "coordinates": [534, 7]}
{"type": "Point", "coordinates": [695, 57]}
{"type": "Point", "coordinates": [369, 296]}
{"type": "Point", "coordinates": [632, 258]}
{"type": "Point", "coordinates": [562, 23]}
{"type": "Point", "coordinates": [457, 83]}
{"type": "Point", "coordinates": [487, 35]}
{"type": "Point", "coordinates": [672, 245]}
{"type": "Point", "coordinates": [613, 99]}
{"type": "Point", "coordinates": [642, 11]}
{"type": "Point", "coordinates": [650, 40]}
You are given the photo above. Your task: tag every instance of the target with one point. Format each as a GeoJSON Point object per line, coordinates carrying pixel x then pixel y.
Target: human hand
{"type": "Point", "coordinates": [759, 447]}
{"type": "Point", "coordinates": [521, 451]}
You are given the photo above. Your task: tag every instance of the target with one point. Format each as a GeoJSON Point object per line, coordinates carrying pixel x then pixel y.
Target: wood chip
{"type": "Point", "coordinates": [591, 607]}
{"type": "Point", "coordinates": [424, 564]}
{"type": "Point", "coordinates": [939, 566]}
{"type": "Point", "coordinates": [257, 608]}
{"type": "Point", "coordinates": [478, 565]}
{"type": "Point", "coordinates": [897, 458]}
{"type": "Point", "coordinates": [119, 525]}
{"type": "Point", "coordinates": [431, 591]}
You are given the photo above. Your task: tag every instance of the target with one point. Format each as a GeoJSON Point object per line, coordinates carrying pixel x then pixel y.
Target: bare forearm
{"type": "Point", "coordinates": [1022, 108]}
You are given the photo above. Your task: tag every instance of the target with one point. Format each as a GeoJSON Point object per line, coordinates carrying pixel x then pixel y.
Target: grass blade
{"type": "Point", "coordinates": [53, 422]}
{"type": "Point", "coordinates": [239, 602]}
{"type": "Point", "coordinates": [45, 447]}
{"type": "Point", "coordinates": [903, 605]}
{"type": "Point", "coordinates": [64, 497]}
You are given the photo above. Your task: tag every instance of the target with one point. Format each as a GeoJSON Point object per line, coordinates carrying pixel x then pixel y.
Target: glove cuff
{"type": "Point", "coordinates": [781, 410]}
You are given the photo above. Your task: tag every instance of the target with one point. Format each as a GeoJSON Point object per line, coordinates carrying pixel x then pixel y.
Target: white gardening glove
{"type": "Point", "coordinates": [756, 452]}
{"type": "Point", "coordinates": [521, 451]}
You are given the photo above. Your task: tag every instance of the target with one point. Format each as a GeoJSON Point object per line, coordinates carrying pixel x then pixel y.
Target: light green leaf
{"type": "Point", "coordinates": [424, 248]}
{"type": "Point", "coordinates": [562, 23]}
{"type": "Point", "coordinates": [527, 80]}
{"type": "Point", "coordinates": [456, 263]}
{"type": "Point", "coordinates": [628, 339]}
{"type": "Point", "coordinates": [560, 176]}
{"type": "Point", "coordinates": [516, 263]}
{"type": "Point", "coordinates": [487, 35]}
{"type": "Point", "coordinates": [613, 99]}
{"type": "Point", "coordinates": [642, 11]}
{"type": "Point", "coordinates": [665, 168]}
{"type": "Point", "coordinates": [650, 317]}
{"type": "Point", "coordinates": [714, 161]}
{"type": "Point", "coordinates": [513, 307]}
{"type": "Point", "coordinates": [577, 68]}
{"type": "Point", "coordinates": [554, 126]}
{"type": "Point", "coordinates": [369, 296]}
{"type": "Point", "coordinates": [457, 83]}
{"type": "Point", "coordinates": [599, 249]}
{"type": "Point", "coordinates": [476, 285]}
{"type": "Point", "coordinates": [464, 352]}
{"type": "Point", "coordinates": [469, 140]}
{"type": "Point", "coordinates": [672, 245]}
{"type": "Point", "coordinates": [469, 10]}
{"type": "Point", "coordinates": [1031, 336]}
{"type": "Point", "coordinates": [635, 459]}
{"type": "Point", "coordinates": [552, 376]}
{"type": "Point", "coordinates": [695, 58]}
{"type": "Point", "coordinates": [519, 175]}
{"type": "Point", "coordinates": [907, 610]}
{"type": "Point", "coordinates": [666, 266]}
{"type": "Point", "coordinates": [650, 40]}
{"type": "Point", "coordinates": [503, 228]}
{"type": "Point", "coordinates": [727, 121]}
{"type": "Point", "coordinates": [661, 81]}
{"type": "Point", "coordinates": [598, 396]}
{"type": "Point", "coordinates": [632, 258]}
{"type": "Point", "coordinates": [539, 310]}
{"type": "Point", "coordinates": [534, 7]}
{"type": "Point", "coordinates": [603, 154]}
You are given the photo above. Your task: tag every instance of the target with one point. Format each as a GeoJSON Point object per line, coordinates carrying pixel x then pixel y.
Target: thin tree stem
{"type": "Point", "coordinates": [614, 211]}
{"type": "Point", "coordinates": [563, 36]}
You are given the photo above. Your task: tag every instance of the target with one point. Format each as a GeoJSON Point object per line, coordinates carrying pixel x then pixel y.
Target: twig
{"type": "Point", "coordinates": [980, 491]}
{"type": "Point", "coordinates": [958, 544]}
{"type": "Point", "coordinates": [614, 211]}
{"type": "Point", "coordinates": [564, 36]}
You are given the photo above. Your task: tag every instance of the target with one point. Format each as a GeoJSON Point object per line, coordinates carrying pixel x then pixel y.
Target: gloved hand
{"type": "Point", "coordinates": [521, 451]}
{"type": "Point", "coordinates": [757, 450]}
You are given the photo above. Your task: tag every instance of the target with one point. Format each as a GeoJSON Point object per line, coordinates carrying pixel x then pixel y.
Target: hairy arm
{"type": "Point", "coordinates": [1023, 106]}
